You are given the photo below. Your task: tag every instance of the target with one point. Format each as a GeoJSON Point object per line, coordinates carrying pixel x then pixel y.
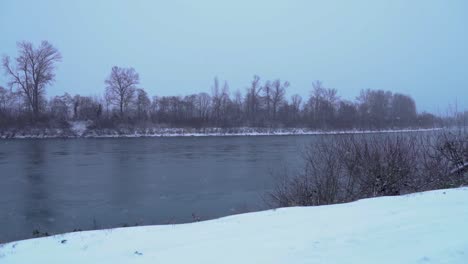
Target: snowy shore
{"type": "Point", "coordinates": [427, 227]}
{"type": "Point", "coordinates": [79, 130]}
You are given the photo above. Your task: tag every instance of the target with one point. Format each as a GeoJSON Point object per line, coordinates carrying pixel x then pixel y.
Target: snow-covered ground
{"type": "Point", "coordinates": [80, 129]}
{"type": "Point", "coordinates": [242, 131]}
{"type": "Point", "coordinates": [430, 227]}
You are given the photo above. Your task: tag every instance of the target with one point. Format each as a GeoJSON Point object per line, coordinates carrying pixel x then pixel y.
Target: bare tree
{"type": "Point", "coordinates": [322, 105]}
{"type": "Point", "coordinates": [86, 107]}
{"type": "Point", "coordinates": [402, 110]}
{"type": "Point", "coordinates": [220, 100]}
{"type": "Point", "coordinates": [267, 98]}
{"type": "Point", "coordinates": [5, 98]}
{"type": "Point", "coordinates": [33, 71]}
{"type": "Point", "coordinates": [59, 107]}
{"type": "Point", "coordinates": [374, 107]}
{"type": "Point", "coordinates": [277, 97]}
{"type": "Point", "coordinates": [202, 104]}
{"type": "Point", "coordinates": [347, 115]}
{"type": "Point", "coordinates": [216, 98]}
{"type": "Point", "coordinates": [143, 104]}
{"type": "Point", "coordinates": [76, 104]}
{"type": "Point", "coordinates": [10, 107]}
{"type": "Point", "coordinates": [253, 99]}
{"type": "Point", "coordinates": [190, 110]}
{"type": "Point", "coordinates": [237, 104]}
{"type": "Point", "coordinates": [296, 101]}
{"type": "Point", "coordinates": [121, 85]}
{"type": "Point", "coordinates": [225, 102]}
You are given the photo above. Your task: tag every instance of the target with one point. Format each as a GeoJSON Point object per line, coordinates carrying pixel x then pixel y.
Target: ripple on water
{"type": "Point", "coordinates": [60, 153]}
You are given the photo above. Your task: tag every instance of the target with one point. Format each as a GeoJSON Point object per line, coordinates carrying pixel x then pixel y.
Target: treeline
{"type": "Point", "coordinates": [261, 104]}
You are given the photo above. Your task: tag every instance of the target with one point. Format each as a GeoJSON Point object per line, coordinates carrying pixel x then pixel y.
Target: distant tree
{"type": "Point", "coordinates": [426, 120]}
{"type": "Point", "coordinates": [267, 99]}
{"type": "Point", "coordinates": [176, 109]}
{"type": "Point", "coordinates": [120, 87]}
{"type": "Point", "coordinates": [292, 110]}
{"type": "Point", "coordinates": [190, 110]}
{"type": "Point", "coordinates": [219, 101]}
{"type": "Point", "coordinates": [374, 108]}
{"type": "Point", "coordinates": [33, 70]}
{"type": "Point", "coordinates": [4, 99]}
{"type": "Point", "coordinates": [237, 113]}
{"type": "Point", "coordinates": [142, 103]}
{"type": "Point", "coordinates": [7, 104]}
{"type": "Point", "coordinates": [216, 100]}
{"type": "Point", "coordinates": [277, 95]}
{"type": "Point", "coordinates": [59, 107]}
{"type": "Point", "coordinates": [155, 109]}
{"type": "Point", "coordinates": [89, 108]}
{"type": "Point", "coordinates": [347, 115]}
{"type": "Point", "coordinates": [403, 110]}
{"type": "Point", "coordinates": [322, 105]}
{"type": "Point", "coordinates": [296, 101]}
{"type": "Point", "coordinates": [86, 107]}
{"type": "Point", "coordinates": [252, 100]}
{"type": "Point", "coordinates": [225, 104]}
{"type": "Point", "coordinates": [76, 101]}
{"type": "Point", "coordinates": [203, 105]}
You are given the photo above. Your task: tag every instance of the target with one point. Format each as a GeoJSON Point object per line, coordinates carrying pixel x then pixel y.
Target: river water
{"type": "Point", "coordinates": [58, 185]}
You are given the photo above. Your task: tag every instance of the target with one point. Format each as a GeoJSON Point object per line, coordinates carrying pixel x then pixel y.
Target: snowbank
{"type": "Point", "coordinates": [79, 129]}
{"type": "Point", "coordinates": [427, 227]}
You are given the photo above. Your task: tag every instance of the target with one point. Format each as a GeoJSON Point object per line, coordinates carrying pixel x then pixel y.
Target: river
{"type": "Point", "coordinates": [58, 185]}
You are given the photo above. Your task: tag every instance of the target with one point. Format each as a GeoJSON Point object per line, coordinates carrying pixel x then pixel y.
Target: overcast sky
{"type": "Point", "coordinates": [414, 47]}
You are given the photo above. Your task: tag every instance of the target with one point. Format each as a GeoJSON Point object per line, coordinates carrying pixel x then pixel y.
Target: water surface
{"type": "Point", "coordinates": [58, 185]}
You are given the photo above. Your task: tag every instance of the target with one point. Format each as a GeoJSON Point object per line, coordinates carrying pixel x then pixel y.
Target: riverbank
{"type": "Point", "coordinates": [80, 130]}
{"type": "Point", "coordinates": [424, 227]}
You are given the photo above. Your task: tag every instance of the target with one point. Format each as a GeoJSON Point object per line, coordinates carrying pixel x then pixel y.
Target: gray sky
{"type": "Point", "coordinates": [417, 47]}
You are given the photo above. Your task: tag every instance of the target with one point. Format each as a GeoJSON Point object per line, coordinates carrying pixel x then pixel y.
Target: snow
{"type": "Point", "coordinates": [78, 127]}
{"type": "Point", "coordinates": [428, 227]}
{"type": "Point", "coordinates": [241, 131]}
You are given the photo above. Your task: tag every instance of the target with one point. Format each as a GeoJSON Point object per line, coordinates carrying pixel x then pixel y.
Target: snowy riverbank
{"type": "Point", "coordinates": [425, 227]}
{"type": "Point", "coordinates": [80, 130]}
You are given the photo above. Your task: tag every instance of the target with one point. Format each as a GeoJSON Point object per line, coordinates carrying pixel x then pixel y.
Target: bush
{"type": "Point", "coordinates": [351, 167]}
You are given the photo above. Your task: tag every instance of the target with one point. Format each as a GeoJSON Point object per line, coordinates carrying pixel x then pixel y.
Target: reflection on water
{"type": "Point", "coordinates": [59, 185]}
{"type": "Point", "coordinates": [36, 208]}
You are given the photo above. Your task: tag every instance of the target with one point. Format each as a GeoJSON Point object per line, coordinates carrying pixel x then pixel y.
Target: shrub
{"type": "Point", "coordinates": [351, 167]}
